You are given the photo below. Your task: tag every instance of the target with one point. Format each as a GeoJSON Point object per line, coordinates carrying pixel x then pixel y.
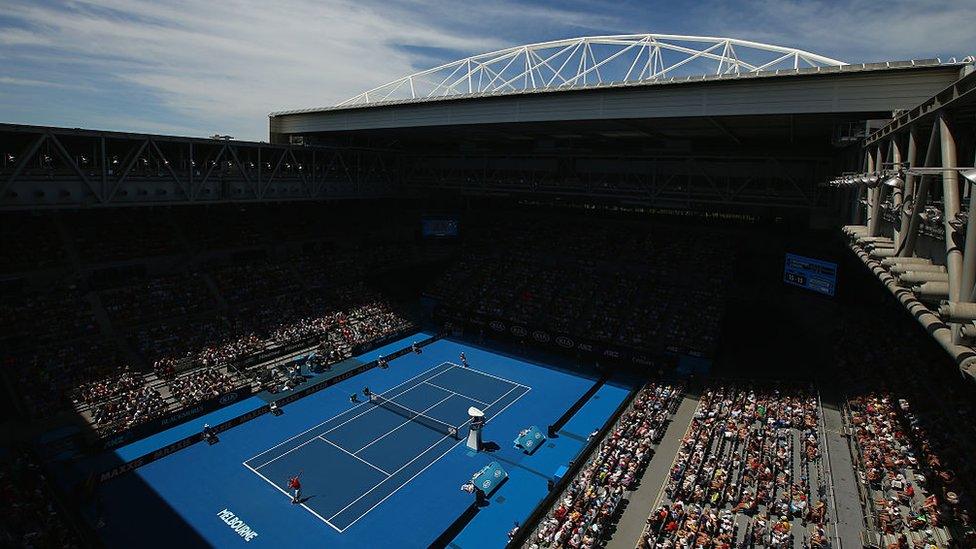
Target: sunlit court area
{"type": "Point", "coordinates": [479, 275]}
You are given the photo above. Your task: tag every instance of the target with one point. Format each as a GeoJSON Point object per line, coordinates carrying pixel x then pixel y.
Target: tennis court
{"type": "Point", "coordinates": [354, 461]}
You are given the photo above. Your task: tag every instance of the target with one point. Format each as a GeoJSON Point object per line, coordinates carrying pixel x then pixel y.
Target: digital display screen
{"type": "Point", "coordinates": [439, 227]}
{"type": "Point", "coordinates": [813, 274]}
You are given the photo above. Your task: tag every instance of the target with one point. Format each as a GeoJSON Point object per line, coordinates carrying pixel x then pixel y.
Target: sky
{"type": "Point", "coordinates": [203, 67]}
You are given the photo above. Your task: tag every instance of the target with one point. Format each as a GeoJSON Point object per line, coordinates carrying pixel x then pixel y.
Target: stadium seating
{"type": "Point", "coordinates": [750, 470]}
{"type": "Point", "coordinates": [32, 517]}
{"type": "Point", "coordinates": [125, 336]}
{"type": "Point", "coordinates": [587, 508]}
{"type": "Point", "coordinates": [613, 283]}
{"type": "Point", "coordinates": [910, 436]}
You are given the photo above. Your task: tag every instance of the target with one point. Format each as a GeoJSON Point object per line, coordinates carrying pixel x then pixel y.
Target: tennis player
{"type": "Point", "coordinates": [294, 483]}
{"type": "Point", "coordinates": [464, 360]}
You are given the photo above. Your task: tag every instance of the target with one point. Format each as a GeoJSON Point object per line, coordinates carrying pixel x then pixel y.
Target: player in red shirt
{"type": "Point", "coordinates": [295, 484]}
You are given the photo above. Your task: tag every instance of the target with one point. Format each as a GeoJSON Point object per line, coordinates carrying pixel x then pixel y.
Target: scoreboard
{"type": "Point", "coordinates": [439, 227]}
{"type": "Point", "coordinates": [813, 274]}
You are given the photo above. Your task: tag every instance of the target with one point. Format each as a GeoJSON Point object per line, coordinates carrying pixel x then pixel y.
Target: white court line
{"type": "Point", "coordinates": [453, 365]}
{"type": "Point", "coordinates": [332, 429]}
{"type": "Point", "coordinates": [415, 416]}
{"type": "Point", "coordinates": [355, 407]}
{"type": "Point", "coordinates": [307, 508]}
{"type": "Point", "coordinates": [432, 462]}
{"type": "Point", "coordinates": [418, 457]}
{"type": "Point", "coordinates": [352, 454]}
{"type": "Point", "coordinates": [276, 458]}
{"type": "Point", "coordinates": [469, 369]}
{"type": "Point", "coordinates": [454, 392]}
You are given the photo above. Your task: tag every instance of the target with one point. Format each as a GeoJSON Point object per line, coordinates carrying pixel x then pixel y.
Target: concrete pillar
{"type": "Point", "coordinates": [874, 222]}
{"type": "Point", "coordinates": [909, 192]}
{"type": "Point", "coordinates": [896, 193]}
{"type": "Point", "coordinates": [921, 196]}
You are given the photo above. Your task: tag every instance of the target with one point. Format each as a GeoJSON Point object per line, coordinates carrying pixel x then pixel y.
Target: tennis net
{"type": "Point", "coordinates": [435, 424]}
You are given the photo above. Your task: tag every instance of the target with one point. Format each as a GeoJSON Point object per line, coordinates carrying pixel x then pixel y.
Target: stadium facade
{"type": "Point", "coordinates": [632, 204]}
{"type": "Point", "coordinates": [658, 121]}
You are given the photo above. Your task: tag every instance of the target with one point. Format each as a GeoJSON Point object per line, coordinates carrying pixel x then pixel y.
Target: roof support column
{"type": "Point", "coordinates": [912, 160]}
{"type": "Point", "coordinates": [969, 257]}
{"type": "Point", "coordinates": [874, 220]}
{"type": "Point", "coordinates": [868, 192]}
{"type": "Point", "coordinates": [950, 200]}
{"type": "Point", "coordinates": [922, 196]}
{"type": "Point", "coordinates": [896, 192]}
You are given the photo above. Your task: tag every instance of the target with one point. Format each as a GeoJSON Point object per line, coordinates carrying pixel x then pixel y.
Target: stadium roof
{"type": "Point", "coordinates": [590, 61]}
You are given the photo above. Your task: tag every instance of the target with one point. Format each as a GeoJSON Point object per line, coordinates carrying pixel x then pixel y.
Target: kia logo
{"type": "Point", "coordinates": [519, 331]}
{"type": "Point", "coordinates": [541, 337]}
{"type": "Point", "coordinates": [564, 341]}
{"type": "Point", "coordinates": [228, 398]}
{"type": "Point", "coordinates": [497, 326]}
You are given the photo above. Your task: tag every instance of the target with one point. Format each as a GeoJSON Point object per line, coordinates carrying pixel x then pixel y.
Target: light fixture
{"type": "Point", "coordinates": [969, 174]}
{"type": "Point", "coordinates": [895, 180]}
{"type": "Point", "coordinates": [960, 220]}
{"type": "Point", "coordinates": [907, 206]}
{"type": "Point", "coordinates": [931, 215]}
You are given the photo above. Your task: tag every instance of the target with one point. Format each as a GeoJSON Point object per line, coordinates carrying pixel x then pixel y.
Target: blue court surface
{"type": "Point", "coordinates": [373, 475]}
{"type": "Point", "coordinates": [372, 451]}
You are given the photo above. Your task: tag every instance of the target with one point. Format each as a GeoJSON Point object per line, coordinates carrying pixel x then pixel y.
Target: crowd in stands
{"type": "Point", "coordinates": [620, 284]}
{"type": "Point", "coordinates": [30, 243]}
{"type": "Point", "coordinates": [752, 452]}
{"type": "Point", "coordinates": [158, 297]}
{"type": "Point", "coordinates": [45, 316]}
{"type": "Point", "coordinates": [590, 503]}
{"type": "Point", "coordinates": [105, 389]}
{"type": "Point", "coordinates": [255, 279]}
{"type": "Point", "coordinates": [201, 385]}
{"type": "Point", "coordinates": [911, 433]}
{"type": "Point", "coordinates": [131, 408]}
{"type": "Point", "coordinates": [123, 235]}
{"type": "Point", "coordinates": [46, 376]}
{"type": "Point", "coordinates": [31, 517]}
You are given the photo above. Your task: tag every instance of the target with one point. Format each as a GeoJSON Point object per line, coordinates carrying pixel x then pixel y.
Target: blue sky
{"type": "Point", "coordinates": [198, 68]}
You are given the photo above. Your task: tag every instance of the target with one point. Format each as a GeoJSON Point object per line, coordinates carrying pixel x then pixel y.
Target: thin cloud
{"type": "Point", "coordinates": [223, 66]}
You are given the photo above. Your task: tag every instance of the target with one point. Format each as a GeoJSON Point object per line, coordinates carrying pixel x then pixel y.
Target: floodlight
{"type": "Point", "coordinates": [932, 215]}
{"type": "Point", "coordinates": [907, 206]}
{"type": "Point", "coordinates": [969, 174]}
{"type": "Point", "coordinates": [895, 181]}
{"type": "Point", "coordinates": [960, 220]}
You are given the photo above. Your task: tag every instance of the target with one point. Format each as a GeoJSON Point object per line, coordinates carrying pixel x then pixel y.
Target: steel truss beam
{"type": "Point", "coordinates": [759, 181]}
{"type": "Point", "coordinates": [592, 61]}
{"type": "Point", "coordinates": [943, 301]}
{"type": "Point", "coordinates": [57, 167]}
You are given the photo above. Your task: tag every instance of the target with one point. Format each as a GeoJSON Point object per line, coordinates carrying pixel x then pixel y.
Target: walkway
{"type": "Point", "coordinates": [641, 501]}
{"type": "Point", "coordinates": [850, 514]}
